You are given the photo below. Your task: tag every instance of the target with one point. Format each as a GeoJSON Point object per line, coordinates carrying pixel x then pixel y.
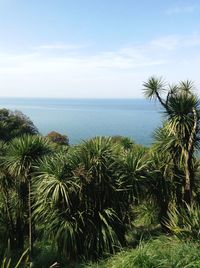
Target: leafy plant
{"type": "Point", "coordinates": [185, 222]}
{"type": "Point", "coordinates": [7, 262]}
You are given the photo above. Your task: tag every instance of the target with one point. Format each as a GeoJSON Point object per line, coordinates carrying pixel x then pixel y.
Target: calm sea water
{"type": "Point", "coordinates": [81, 119]}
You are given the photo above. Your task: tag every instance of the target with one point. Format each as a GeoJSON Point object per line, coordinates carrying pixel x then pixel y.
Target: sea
{"type": "Point", "coordinates": [82, 119]}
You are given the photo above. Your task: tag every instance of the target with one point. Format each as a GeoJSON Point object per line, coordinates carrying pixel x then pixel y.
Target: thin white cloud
{"type": "Point", "coordinates": [60, 46]}
{"type": "Point", "coordinates": [173, 42]}
{"type": "Point", "coordinates": [180, 10]}
{"type": "Point", "coordinates": [127, 58]}
{"type": "Point", "coordinates": [166, 42]}
{"type": "Point", "coordinates": [104, 74]}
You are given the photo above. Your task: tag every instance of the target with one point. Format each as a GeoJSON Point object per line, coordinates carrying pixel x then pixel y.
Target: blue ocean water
{"type": "Point", "coordinates": [81, 119]}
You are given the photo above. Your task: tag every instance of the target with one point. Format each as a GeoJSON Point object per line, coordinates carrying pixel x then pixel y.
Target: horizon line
{"type": "Point", "coordinates": [73, 98]}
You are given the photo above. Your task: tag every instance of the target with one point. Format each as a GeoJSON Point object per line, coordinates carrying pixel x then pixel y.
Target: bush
{"type": "Point", "coordinates": [58, 138]}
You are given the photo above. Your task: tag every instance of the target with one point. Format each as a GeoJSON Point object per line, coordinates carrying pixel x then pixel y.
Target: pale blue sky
{"type": "Point", "coordinates": [96, 48]}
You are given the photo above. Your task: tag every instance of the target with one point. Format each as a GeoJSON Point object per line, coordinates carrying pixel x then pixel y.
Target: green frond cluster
{"type": "Point", "coordinates": [85, 198]}
{"type": "Point", "coordinates": [154, 87]}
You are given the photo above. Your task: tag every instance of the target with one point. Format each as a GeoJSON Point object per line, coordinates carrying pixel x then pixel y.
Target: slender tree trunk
{"type": "Point", "coordinates": [178, 188]}
{"type": "Point", "coordinates": [188, 161]}
{"type": "Point", "coordinates": [187, 187]}
{"type": "Point", "coordinates": [11, 226]}
{"type": "Point", "coordinates": [30, 221]}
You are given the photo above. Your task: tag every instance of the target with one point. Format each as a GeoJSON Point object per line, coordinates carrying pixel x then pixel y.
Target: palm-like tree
{"type": "Point", "coordinates": [78, 189]}
{"type": "Point", "coordinates": [57, 192]}
{"type": "Point", "coordinates": [170, 151]}
{"type": "Point", "coordinates": [160, 182]}
{"type": "Point", "coordinates": [22, 155]}
{"type": "Point", "coordinates": [100, 190]}
{"type": "Point", "coordinates": [6, 207]}
{"type": "Point", "coordinates": [85, 197]}
{"type": "Point", "coordinates": [181, 107]}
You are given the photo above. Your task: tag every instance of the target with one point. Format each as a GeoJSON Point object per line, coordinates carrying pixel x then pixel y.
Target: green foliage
{"type": "Point", "coordinates": [15, 124]}
{"type": "Point", "coordinates": [21, 262]}
{"type": "Point", "coordinates": [162, 252]}
{"type": "Point", "coordinates": [146, 214]}
{"type": "Point", "coordinates": [93, 199]}
{"type": "Point", "coordinates": [24, 152]}
{"type": "Point", "coordinates": [45, 254]}
{"type": "Point", "coordinates": [125, 142]}
{"type": "Point", "coordinates": [74, 197]}
{"type": "Point", "coordinates": [180, 134]}
{"type": "Point", "coordinates": [58, 138]}
{"type": "Point", "coordinates": [185, 222]}
{"type": "Point", "coordinates": [21, 156]}
{"type": "Point", "coordinates": [153, 87]}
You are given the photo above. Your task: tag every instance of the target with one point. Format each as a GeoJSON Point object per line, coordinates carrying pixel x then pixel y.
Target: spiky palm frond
{"type": "Point", "coordinates": [126, 142]}
{"type": "Point", "coordinates": [164, 140]}
{"type": "Point", "coordinates": [55, 181]}
{"type": "Point", "coordinates": [183, 114]}
{"type": "Point", "coordinates": [182, 105]}
{"type": "Point", "coordinates": [134, 165]}
{"type": "Point", "coordinates": [184, 222]}
{"type": "Point", "coordinates": [22, 153]}
{"type": "Point", "coordinates": [154, 87]}
{"type": "Point", "coordinates": [7, 262]}
{"type": "Point", "coordinates": [97, 159]}
{"type": "Point", "coordinates": [187, 86]}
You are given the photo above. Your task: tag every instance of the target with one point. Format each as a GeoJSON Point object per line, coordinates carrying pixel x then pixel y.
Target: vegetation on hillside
{"type": "Point", "coordinates": [74, 204]}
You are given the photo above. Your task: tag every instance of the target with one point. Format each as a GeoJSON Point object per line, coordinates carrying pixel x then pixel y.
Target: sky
{"type": "Point", "coordinates": [96, 48]}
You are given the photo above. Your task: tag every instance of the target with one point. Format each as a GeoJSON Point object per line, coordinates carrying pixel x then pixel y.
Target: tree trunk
{"type": "Point", "coordinates": [30, 221]}
{"type": "Point", "coordinates": [11, 226]}
{"type": "Point", "coordinates": [188, 161]}
{"type": "Point", "coordinates": [187, 187]}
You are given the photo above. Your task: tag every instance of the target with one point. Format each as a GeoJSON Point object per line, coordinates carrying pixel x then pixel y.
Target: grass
{"type": "Point", "coordinates": [163, 252]}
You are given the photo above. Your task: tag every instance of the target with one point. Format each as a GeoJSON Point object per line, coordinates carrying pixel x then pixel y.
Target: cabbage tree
{"type": "Point", "coordinates": [181, 107]}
